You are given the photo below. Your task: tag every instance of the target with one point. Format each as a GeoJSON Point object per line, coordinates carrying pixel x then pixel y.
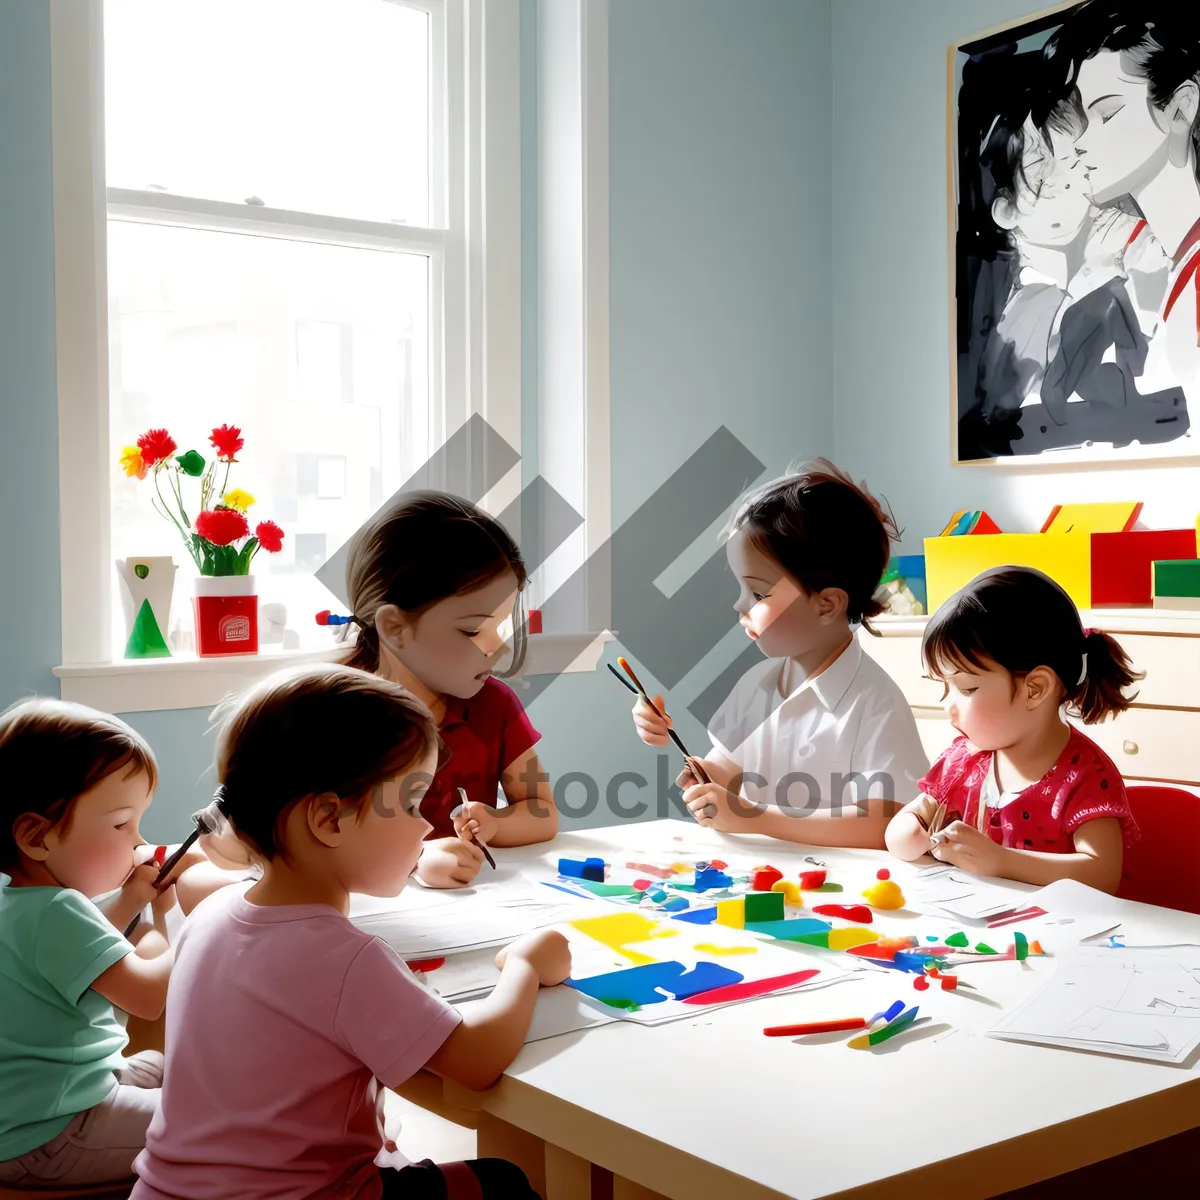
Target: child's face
{"type": "Point", "coordinates": [93, 851]}
{"type": "Point", "coordinates": [987, 704]}
{"type": "Point", "coordinates": [453, 646]}
{"type": "Point", "coordinates": [776, 613]}
{"type": "Point", "coordinates": [386, 839]}
{"type": "Point", "coordinates": [1053, 201]}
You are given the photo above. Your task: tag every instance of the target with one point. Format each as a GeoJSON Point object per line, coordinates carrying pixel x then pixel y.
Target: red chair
{"type": "Point", "coordinates": [1163, 866]}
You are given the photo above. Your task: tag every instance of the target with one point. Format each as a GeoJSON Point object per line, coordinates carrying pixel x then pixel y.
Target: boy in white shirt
{"type": "Point", "coordinates": [819, 730]}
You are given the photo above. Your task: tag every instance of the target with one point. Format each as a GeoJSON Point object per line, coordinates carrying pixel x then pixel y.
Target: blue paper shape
{"type": "Point", "coordinates": [782, 930]}
{"type": "Point", "coordinates": [640, 985]}
{"type": "Point", "coordinates": [697, 916]}
{"type": "Point", "coordinates": [675, 904]}
{"type": "Point", "coordinates": [711, 879]}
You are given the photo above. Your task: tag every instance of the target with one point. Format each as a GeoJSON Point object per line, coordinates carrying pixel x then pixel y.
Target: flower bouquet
{"type": "Point", "coordinates": [218, 540]}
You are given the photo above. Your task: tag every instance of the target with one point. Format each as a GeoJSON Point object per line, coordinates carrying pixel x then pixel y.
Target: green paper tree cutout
{"type": "Point", "coordinates": [146, 639]}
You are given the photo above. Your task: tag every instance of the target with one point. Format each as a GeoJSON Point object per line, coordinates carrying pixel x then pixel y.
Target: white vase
{"type": "Point", "coordinates": [147, 585]}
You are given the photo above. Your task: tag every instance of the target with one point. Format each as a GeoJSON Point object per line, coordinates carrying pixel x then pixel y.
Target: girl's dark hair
{"type": "Point", "coordinates": [424, 548]}
{"type": "Point", "coordinates": [325, 728]}
{"type": "Point", "coordinates": [1019, 619]}
{"type": "Point", "coordinates": [826, 531]}
{"type": "Point", "coordinates": [51, 753]}
{"type": "Point", "coordinates": [1160, 39]}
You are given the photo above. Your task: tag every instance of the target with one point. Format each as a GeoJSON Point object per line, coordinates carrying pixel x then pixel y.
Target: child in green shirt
{"type": "Point", "coordinates": [76, 782]}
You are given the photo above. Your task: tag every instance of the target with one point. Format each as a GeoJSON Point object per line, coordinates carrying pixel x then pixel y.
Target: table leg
{"type": "Point", "coordinates": [568, 1177]}
{"type": "Point", "coordinates": [499, 1139]}
{"type": "Point", "coordinates": [626, 1189]}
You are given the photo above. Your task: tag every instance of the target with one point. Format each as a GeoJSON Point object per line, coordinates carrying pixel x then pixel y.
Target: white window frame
{"type": "Point", "coordinates": [475, 358]}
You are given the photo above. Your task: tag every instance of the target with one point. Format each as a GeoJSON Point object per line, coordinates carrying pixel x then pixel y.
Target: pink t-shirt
{"type": "Point", "coordinates": [281, 1025]}
{"type": "Point", "coordinates": [1083, 785]}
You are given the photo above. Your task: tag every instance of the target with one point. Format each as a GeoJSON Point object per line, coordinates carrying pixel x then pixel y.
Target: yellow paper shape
{"type": "Point", "coordinates": [617, 930]}
{"type": "Point", "coordinates": [732, 913]}
{"type": "Point", "coordinates": [1092, 518]}
{"type": "Point", "coordinates": [952, 562]}
{"type": "Point", "coordinates": [711, 948]}
{"type": "Point", "coordinates": [884, 894]}
{"type": "Point", "coordinates": [844, 939]}
{"type": "Point", "coordinates": [791, 892]}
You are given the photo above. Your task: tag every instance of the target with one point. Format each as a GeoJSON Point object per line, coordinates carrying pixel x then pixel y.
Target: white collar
{"type": "Point", "coordinates": [832, 684]}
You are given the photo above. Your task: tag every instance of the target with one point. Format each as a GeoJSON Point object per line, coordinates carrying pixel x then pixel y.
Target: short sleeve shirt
{"type": "Point", "coordinates": [1083, 785]}
{"type": "Point", "coordinates": [483, 736]}
{"type": "Point", "coordinates": [60, 1041]}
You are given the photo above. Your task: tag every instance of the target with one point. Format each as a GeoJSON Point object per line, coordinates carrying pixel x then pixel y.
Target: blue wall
{"type": "Point", "coordinates": [720, 150]}
{"type": "Point", "coordinates": [891, 291]}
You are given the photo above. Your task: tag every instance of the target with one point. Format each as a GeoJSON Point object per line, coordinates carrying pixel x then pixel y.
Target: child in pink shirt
{"type": "Point", "coordinates": [1021, 794]}
{"type": "Point", "coordinates": [284, 1021]}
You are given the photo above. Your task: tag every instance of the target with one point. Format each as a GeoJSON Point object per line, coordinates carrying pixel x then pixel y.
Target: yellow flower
{"type": "Point", "coordinates": [131, 462]}
{"type": "Point", "coordinates": [238, 499]}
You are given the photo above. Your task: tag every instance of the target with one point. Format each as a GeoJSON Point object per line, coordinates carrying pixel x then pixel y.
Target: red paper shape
{"type": "Point", "coordinates": [1121, 570]}
{"type": "Point", "coordinates": [811, 880]}
{"type": "Point", "coordinates": [883, 873]}
{"type": "Point", "coordinates": [848, 912]}
{"type": "Point", "coordinates": [425, 965]}
{"type": "Point", "coordinates": [761, 878]}
{"type": "Point", "coordinates": [743, 991]}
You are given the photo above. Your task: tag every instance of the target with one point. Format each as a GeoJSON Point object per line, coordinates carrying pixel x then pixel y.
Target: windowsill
{"type": "Point", "coordinates": [161, 684]}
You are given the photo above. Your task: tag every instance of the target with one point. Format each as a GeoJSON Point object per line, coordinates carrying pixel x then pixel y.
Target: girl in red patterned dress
{"type": "Point", "coordinates": [1026, 796]}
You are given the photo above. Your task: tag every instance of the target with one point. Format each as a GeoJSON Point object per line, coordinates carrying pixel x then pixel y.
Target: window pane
{"type": "Point", "coordinates": [320, 106]}
{"type": "Point", "coordinates": [320, 353]}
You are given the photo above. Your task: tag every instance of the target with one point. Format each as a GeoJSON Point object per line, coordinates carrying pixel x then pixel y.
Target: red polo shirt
{"type": "Point", "coordinates": [483, 736]}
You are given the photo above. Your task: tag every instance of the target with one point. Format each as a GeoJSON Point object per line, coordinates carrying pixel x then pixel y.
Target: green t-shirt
{"type": "Point", "coordinates": [59, 1041]}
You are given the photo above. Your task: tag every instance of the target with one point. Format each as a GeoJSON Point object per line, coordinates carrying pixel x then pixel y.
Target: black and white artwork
{"type": "Point", "coordinates": [1077, 240]}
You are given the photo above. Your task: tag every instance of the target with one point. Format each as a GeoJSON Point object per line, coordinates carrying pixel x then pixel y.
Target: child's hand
{"type": "Point", "coordinates": [964, 846]}
{"type": "Point", "coordinates": [163, 902]}
{"type": "Point", "coordinates": [546, 951]}
{"type": "Point", "coordinates": [651, 728]}
{"type": "Point", "coordinates": [476, 820]}
{"type": "Point", "coordinates": [715, 808]}
{"type": "Point", "coordinates": [449, 863]}
{"type": "Point", "coordinates": [717, 773]}
{"type": "Point", "coordinates": [138, 890]}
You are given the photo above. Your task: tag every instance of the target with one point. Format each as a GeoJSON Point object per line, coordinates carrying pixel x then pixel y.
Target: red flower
{"type": "Point", "coordinates": [155, 446]}
{"type": "Point", "coordinates": [270, 536]}
{"type": "Point", "coordinates": [221, 526]}
{"type": "Point", "coordinates": [227, 440]}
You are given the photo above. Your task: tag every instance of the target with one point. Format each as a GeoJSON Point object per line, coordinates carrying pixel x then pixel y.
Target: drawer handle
{"type": "Point", "coordinates": [1129, 747]}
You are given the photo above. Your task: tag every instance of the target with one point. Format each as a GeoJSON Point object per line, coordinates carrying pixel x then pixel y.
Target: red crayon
{"type": "Point", "coordinates": [816, 1027]}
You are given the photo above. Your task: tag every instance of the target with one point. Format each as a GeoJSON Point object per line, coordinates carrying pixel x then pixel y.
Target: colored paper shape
{"type": "Point", "coordinates": [968, 521]}
{"type": "Point", "coordinates": [713, 948]}
{"type": "Point", "coordinates": [981, 948]}
{"type": "Point", "coordinates": [1113, 517]}
{"type": "Point", "coordinates": [811, 880]}
{"type": "Point", "coordinates": [763, 906]}
{"type": "Point", "coordinates": [587, 868]}
{"type": "Point", "coordinates": [885, 894]}
{"type": "Point", "coordinates": [1179, 577]}
{"type": "Point", "coordinates": [757, 987]}
{"type": "Point", "coordinates": [763, 879]}
{"type": "Point", "coordinates": [145, 638]}
{"type": "Point", "coordinates": [654, 982]}
{"type": "Point", "coordinates": [1123, 563]}
{"type": "Point", "coordinates": [786, 931]}
{"type": "Point", "coordinates": [617, 930]}
{"type": "Point", "coordinates": [848, 912]}
{"type": "Point", "coordinates": [952, 562]}
{"type": "Point", "coordinates": [791, 892]}
{"type": "Point", "coordinates": [732, 913]}
{"type": "Point", "coordinates": [1021, 946]}
{"type": "Point", "coordinates": [957, 939]}
{"type": "Point", "coordinates": [675, 904]}
{"type": "Point", "coordinates": [829, 887]}
{"type": "Point", "coordinates": [606, 889]}
{"type": "Point", "coordinates": [711, 880]}
{"type": "Point", "coordinates": [697, 916]}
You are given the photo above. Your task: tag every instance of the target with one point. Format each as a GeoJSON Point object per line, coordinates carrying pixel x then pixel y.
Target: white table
{"type": "Point", "coordinates": [710, 1108]}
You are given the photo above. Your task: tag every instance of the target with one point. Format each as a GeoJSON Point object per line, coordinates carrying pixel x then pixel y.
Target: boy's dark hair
{"type": "Point", "coordinates": [826, 531]}
{"type": "Point", "coordinates": [321, 729]}
{"type": "Point", "coordinates": [427, 547]}
{"type": "Point", "coordinates": [1020, 619]}
{"type": "Point", "coordinates": [51, 753]}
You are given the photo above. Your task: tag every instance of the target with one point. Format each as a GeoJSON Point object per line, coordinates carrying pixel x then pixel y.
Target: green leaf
{"type": "Point", "coordinates": [191, 463]}
{"type": "Point", "coordinates": [245, 557]}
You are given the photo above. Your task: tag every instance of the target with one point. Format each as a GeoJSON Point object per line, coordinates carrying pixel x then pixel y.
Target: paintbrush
{"type": "Point", "coordinates": [692, 764]}
{"type": "Point", "coordinates": [462, 795]}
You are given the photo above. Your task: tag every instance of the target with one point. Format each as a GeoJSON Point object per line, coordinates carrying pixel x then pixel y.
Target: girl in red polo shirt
{"type": "Point", "coordinates": [1021, 794]}
{"type": "Point", "coordinates": [435, 587]}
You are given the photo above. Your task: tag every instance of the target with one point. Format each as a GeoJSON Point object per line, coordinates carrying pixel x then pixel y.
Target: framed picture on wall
{"type": "Point", "coordinates": [1075, 235]}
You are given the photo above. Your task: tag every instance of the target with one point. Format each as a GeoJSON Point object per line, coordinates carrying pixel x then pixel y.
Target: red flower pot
{"type": "Point", "coordinates": [226, 611]}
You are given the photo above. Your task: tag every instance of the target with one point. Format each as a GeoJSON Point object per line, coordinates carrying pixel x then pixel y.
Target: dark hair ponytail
{"type": "Point", "coordinates": [1020, 619]}
{"type": "Point", "coordinates": [424, 548]}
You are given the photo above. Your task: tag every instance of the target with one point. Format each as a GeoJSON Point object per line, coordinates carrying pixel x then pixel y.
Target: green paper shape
{"type": "Point", "coordinates": [959, 939]}
{"type": "Point", "coordinates": [606, 889]}
{"type": "Point", "coordinates": [627, 1005]}
{"type": "Point", "coordinates": [984, 948]}
{"type": "Point", "coordinates": [191, 463]}
{"type": "Point", "coordinates": [812, 939]}
{"type": "Point", "coordinates": [1022, 946]}
{"type": "Point", "coordinates": [145, 638]}
{"type": "Point", "coordinates": [897, 1026]}
{"type": "Point", "coordinates": [829, 887]}
{"type": "Point", "coordinates": [764, 906]}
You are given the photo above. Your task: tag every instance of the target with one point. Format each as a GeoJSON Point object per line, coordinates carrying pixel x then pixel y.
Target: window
{"type": "Point", "coordinates": [272, 213]}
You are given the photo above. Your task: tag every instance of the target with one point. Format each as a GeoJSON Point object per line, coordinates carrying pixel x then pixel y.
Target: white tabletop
{"type": "Point", "coordinates": [682, 1104]}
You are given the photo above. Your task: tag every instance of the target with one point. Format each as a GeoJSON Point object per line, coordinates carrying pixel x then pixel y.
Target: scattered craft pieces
{"type": "Point", "coordinates": [763, 906]}
{"type": "Point", "coordinates": [788, 931]}
{"type": "Point", "coordinates": [658, 895]}
{"type": "Point", "coordinates": [713, 948]}
{"type": "Point", "coordinates": [607, 889]}
{"type": "Point", "coordinates": [618, 930]}
{"type": "Point", "coordinates": [651, 983]}
{"type": "Point", "coordinates": [588, 868]}
{"type": "Point", "coordinates": [811, 880]}
{"type": "Point", "coordinates": [651, 869]}
{"type": "Point", "coordinates": [732, 913]}
{"type": "Point", "coordinates": [949, 982]}
{"type": "Point", "coordinates": [757, 987]}
{"type": "Point", "coordinates": [921, 983]}
{"type": "Point", "coordinates": [815, 1027]}
{"type": "Point", "coordinates": [791, 892]}
{"type": "Point", "coordinates": [763, 879]}
{"type": "Point", "coordinates": [958, 940]}
{"type": "Point", "coordinates": [888, 1015]}
{"type": "Point", "coordinates": [680, 868]}
{"type": "Point", "coordinates": [847, 939]}
{"type": "Point", "coordinates": [1036, 948]}
{"type": "Point", "coordinates": [425, 965]}
{"type": "Point", "coordinates": [848, 912]}
{"type": "Point", "coordinates": [883, 873]}
{"type": "Point", "coordinates": [893, 1027]}
{"type": "Point", "coordinates": [909, 962]}
{"type": "Point", "coordinates": [675, 904]}
{"type": "Point", "coordinates": [711, 880]}
{"type": "Point", "coordinates": [1021, 946]}
{"type": "Point", "coordinates": [829, 887]}
{"type": "Point", "coordinates": [885, 894]}
{"type": "Point", "coordinates": [642, 885]}
{"type": "Point", "coordinates": [721, 866]}
{"type": "Point", "coordinates": [980, 948]}
{"type": "Point", "coordinates": [697, 916]}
